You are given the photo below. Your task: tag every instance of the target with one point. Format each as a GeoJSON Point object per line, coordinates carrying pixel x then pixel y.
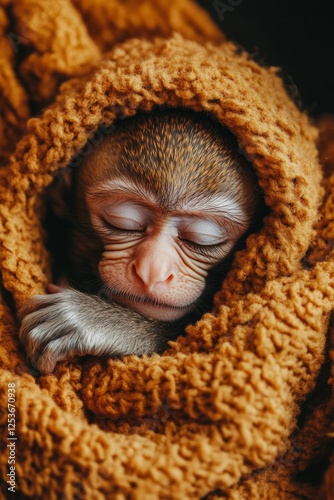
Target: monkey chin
{"type": "Point", "coordinates": [154, 310]}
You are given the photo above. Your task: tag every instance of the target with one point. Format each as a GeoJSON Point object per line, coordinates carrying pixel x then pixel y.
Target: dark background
{"type": "Point", "coordinates": [297, 35]}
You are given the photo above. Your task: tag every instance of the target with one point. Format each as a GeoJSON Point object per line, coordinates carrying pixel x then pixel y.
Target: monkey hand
{"type": "Point", "coordinates": [71, 323]}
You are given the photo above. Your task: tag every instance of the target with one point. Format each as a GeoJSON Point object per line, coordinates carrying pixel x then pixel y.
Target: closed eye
{"type": "Point", "coordinates": [112, 229]}
{"type": "Point", "coordinates": [215, 251]}
{"type": "Point", "coordinates": [203, 240]}
{"type": "Point", "coordinates": [200, 231]}
{"type": "Point", "coordinates": [126, 216]}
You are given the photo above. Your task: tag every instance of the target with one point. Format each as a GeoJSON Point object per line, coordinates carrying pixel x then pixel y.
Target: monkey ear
{"type": "Point", "coordinates": [58, 194]}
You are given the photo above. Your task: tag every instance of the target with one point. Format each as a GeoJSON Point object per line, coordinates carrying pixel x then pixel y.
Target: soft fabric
{"type": "Point", "coordinates": [241, 406]}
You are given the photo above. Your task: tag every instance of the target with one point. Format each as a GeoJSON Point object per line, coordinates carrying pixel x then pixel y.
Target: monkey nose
{"type": "Point", "coordinates": [151, 276]}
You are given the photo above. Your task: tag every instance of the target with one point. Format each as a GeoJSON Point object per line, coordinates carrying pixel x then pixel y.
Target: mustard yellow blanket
{"type": "Point", "coordinates": [241, 407]}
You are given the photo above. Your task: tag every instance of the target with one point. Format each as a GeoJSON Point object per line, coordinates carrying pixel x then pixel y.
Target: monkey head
{"type": "Point", "coordinates": [163, 199]}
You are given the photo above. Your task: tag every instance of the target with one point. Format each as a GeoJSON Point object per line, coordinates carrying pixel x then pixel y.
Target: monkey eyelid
{"type": "Point", "coordinates": [193, 241]}
{"type": "Point", "coordinates": [125, 224]}
{"type": "Point", "coordinates": [217, 251]}
{"type": "Point", "coordinates": [231, 225]}
{"type": "Point", "coordinates": [114, 230]}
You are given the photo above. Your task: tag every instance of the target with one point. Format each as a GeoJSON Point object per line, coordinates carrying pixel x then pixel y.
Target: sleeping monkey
{"type": "Point", "coordinates": [151, 212]}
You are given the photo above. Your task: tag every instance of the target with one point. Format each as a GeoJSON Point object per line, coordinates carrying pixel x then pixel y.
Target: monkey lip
{"type": "Point", "coordinates": [152, 308]}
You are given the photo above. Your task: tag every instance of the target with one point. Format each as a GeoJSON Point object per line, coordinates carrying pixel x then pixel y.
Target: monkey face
{"type": "Point", "coordinates": [166, 197]}
{"type": "Point", "coordinates": [156, 261]}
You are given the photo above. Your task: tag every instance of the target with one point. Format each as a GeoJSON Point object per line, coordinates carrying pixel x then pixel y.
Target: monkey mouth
{"type": "Point", "coordinates": [151, 308]}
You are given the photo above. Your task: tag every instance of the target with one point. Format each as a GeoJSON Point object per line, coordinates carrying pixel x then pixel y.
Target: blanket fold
{"type": "Point", "coordinates": [240, 406]}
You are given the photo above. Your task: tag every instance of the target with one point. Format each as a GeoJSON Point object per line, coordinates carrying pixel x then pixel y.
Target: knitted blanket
{"type": "Point", "coordinates": [241, 406]}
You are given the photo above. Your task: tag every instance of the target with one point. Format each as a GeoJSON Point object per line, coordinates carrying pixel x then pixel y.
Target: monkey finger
{"type": "Point", "coordinates": [45, 366]}
{"type": "Point", "coordinates": [52, 353]}
{"type": "Point", "coordinates": [32, 338]}
{"type": "Point", "coordinates": [60, 287]}
{"type": "Point", "coordinates": [46, 362]}
{"type": "Point", "coordinates": [52, 288]}
{"type": "Point", "coordinates": [35, 303]}
{"type": "Point", "coordinates": [43, 353]}
{"type": "Point", "coordinates": [39, 329]}
{"type": "Point", "coordinates": [31, 318]}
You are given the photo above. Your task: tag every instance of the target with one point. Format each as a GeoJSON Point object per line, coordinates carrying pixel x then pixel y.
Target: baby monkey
{"type": "Point", "coordinates": [151, 210]}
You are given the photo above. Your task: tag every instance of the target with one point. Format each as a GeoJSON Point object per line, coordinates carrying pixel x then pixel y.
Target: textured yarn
{"type": "Point", "coordinates": [241, 406]}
